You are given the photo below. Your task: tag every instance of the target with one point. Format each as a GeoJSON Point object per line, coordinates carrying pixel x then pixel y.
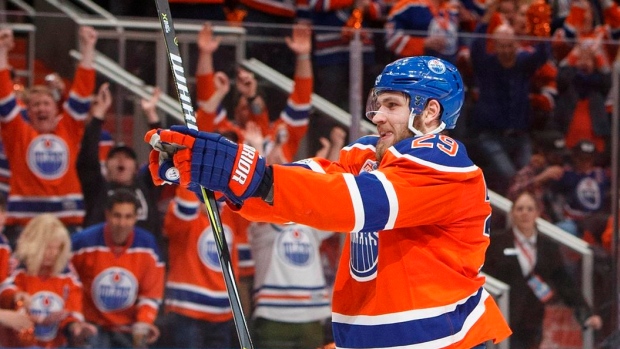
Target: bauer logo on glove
{"type": "Point", "coordinates": [244, 165]}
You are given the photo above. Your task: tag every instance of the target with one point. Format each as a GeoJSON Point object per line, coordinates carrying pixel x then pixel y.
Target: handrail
{"type": "Point", "coordinates": [30, 11]}
{"type": "Point", "coordinates": [98, 9]}
{"type": "Point", "coordinates": [501, 291]}
{"type": "Point", "coordinates": [67, 8]}
{"type": "Point", "coordinates": [29, 29]}
{"type": "Point", "coordinates": [124, 78]}
{"type": "Point", "coordinates": [154, 24]}
{"type": "Point", "coordinates": [318, 102]}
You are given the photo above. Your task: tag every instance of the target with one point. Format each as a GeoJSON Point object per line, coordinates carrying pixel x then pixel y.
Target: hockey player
{"type": "Point", "coordinates": [415, 205]}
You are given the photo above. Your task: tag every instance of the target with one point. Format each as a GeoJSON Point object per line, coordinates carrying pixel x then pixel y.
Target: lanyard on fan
{"type": "Point", "coordinates": [527, 252]}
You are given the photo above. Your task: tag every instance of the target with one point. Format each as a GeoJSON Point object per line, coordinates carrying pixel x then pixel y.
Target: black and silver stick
{"type": "Point", "coordinates": [176, 64]}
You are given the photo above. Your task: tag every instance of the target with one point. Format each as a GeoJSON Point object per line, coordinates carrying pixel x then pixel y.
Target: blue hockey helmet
{"type": "Point", "coordinates": [422, 78]}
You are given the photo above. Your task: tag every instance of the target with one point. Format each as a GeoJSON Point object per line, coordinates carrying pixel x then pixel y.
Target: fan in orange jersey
{"type": "Point", "coordinates": [196, 301]}
{"type": "Point", "coordinates": [42, 143]}
{"type": "Point", "coordinates": [292, 124]}
{"type": "Point", "coordinates": [122, 273]}
{"type": "Point", "coordinates": [5, 248]}
{"type": "Point", "coordinates": [46, 286]}
{"type": "Point", "coordinates": [415, 205]}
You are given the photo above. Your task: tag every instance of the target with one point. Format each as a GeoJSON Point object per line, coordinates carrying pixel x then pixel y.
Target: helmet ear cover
{"type": "Point", "coordinates": [412, 116]}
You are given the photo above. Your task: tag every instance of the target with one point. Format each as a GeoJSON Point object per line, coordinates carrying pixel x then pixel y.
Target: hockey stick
{"type": "Point", "coordinates": [176, 64]}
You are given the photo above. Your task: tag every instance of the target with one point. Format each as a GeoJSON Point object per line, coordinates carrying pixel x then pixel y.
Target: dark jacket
{"type": "Point", "coordinates": [503, 103]}
{"type": "Point", "coordinates": [526, 311]}
{"type": "Point", "coordinates": [574, 85]}
{"type": "Point", "coordinates": [96, 188]}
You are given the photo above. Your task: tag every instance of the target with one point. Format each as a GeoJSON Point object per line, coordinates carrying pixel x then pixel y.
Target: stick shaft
{"type": "Point", "coordinates": [176, 65]}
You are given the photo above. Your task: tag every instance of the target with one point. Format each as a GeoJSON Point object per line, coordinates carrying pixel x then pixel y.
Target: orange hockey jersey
{"type": "Point", "coordinates": [5, 171]}
{"type": "Point", "coordinates": [123, 286]}
{"type": "Point", "coordinates": [419, 227]}
{"type": "Point", "coordinates": [219, 122]}
{"type": "Point", "coordinates": [5, 257]}
{"type": "Point", "coordinates": [61, 292]}
{"type": "Point", "coordinates": [195, 286]}
{"type": "Point", "coordinates": [43, 173]}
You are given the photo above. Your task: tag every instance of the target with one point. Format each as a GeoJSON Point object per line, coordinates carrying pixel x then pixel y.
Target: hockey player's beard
{"type": "Point", "coordinates": [397, 135]}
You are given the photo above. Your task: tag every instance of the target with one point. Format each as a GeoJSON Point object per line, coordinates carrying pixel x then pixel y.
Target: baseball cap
{"type": "Point", "coordinates": [122, 148]}
{"type": "Point", "coordinates": [551, 141]}
{"type": "Point", "coordinates": [585, 146]}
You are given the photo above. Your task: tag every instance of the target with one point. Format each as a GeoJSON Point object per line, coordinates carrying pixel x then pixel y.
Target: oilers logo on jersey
{"type": "Point", "coordinates": [48, 156]}
{"type": "Point", "coordinates": [364, 255]}
{"type": "Point", "coordinates": [294, 246]}
{"type": "Point", "coordinates": [207, 248]}
{"type": "Point", "coordinates": [114, 289]}
{"type": "Point", "coordinates": [42, 305]}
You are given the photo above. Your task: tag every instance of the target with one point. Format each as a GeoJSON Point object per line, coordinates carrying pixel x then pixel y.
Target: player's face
{"type": "Point", "coordinates": [51, 253]}
{"type": "Point", "coordinates": [121, 168]}
{"type": "Point", "coordinates": [524, 213]}
{"type": "Point", "coordinates": [43, 112]}
{"type": "Point", "coordinates": [121, 220]}
{"type": "Point", "coordinates": [391, 116]}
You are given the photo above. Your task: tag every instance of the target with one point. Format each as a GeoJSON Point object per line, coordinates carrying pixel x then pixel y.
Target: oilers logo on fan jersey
{"type": "Point", "coordinates": [589, 193]}
{"type": "Point", "coordinates": [114, 289]}
{"type": "Point", "coordinates": [42, 304]}
{"type": "Point", "coordinates": [48, 156]}
{"type": "Point", "coordinates": [294, 246]}
{"type": "Point", "coordinates": [207, 248]}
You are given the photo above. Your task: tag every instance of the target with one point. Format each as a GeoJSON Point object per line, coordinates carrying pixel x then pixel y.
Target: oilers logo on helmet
{"type": "Point", "coordinates": [42, 305]}
{"type": "Point", "coordinates": [48, 156]}
{"type": "Point", "coordinates": [114, 289]}
{"type": "Point", "coordinates": [436, 66]}
{"type": "Point", "coordinates": [294, 246]}
{"type": "Point", "coordinates": [207, 248]}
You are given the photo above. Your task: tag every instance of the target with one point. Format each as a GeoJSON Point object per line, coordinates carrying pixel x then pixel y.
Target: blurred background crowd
{"type": "Point", "coordinates": [93, 254]}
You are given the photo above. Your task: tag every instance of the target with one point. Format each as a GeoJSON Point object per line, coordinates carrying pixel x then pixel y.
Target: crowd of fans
{"type": "Point", "coordinates": [118, 262]}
